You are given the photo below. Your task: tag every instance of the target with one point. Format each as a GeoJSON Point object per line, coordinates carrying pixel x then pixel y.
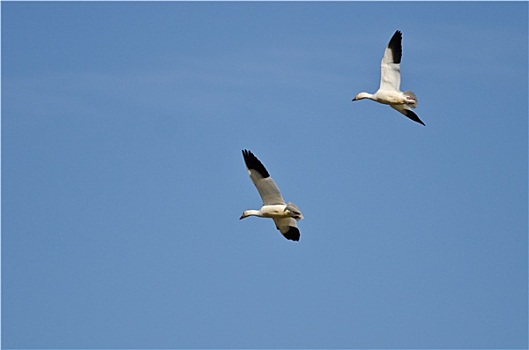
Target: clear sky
{"type": "Point", "coordinates": [123, 179]}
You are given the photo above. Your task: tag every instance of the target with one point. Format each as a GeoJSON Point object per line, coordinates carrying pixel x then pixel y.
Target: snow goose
{"type": "Point", "coordinates": [389, 91]}
{"type": "Point", "coordinates": [283, 214]}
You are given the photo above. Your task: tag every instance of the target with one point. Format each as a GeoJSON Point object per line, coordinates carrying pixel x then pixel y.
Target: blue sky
{"type": "Point", "coordinates": [123, 179]}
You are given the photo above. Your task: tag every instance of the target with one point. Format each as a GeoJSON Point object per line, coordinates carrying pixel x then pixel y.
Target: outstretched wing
{"type": "Point", "coordinates": [260, 177]}
{"type": "Point", "coordinates": [390, 65]}
{"type": "Point", "coordinates": [288, 228]}
{"type": "Point", "coordinates": [406, 110]}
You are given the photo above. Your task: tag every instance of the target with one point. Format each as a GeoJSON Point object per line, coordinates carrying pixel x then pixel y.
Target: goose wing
{"type": "Point", "coordinates": [390, 65]}
{"type": "Point", "coordinates": [266, 187]}
{"type": "Point", "coordinates": [288, 228]}
{"type": "Point", "coordinates": [406, 110]}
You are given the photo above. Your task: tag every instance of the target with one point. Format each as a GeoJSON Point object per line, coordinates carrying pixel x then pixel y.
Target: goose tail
{"type": "Point", "coordinates": [294, 211]}
{"type": "Point", "coordinates": [411, 98]}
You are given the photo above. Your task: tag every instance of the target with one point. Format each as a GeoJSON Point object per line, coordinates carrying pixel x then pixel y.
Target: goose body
{"type": "Point", "coordinates": [274, 206]}
{"type": "Point", "coordinates": [389, 91]}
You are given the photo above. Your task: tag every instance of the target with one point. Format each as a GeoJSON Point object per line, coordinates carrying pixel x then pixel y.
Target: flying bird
{"type": "Point", "coordinates": [389, 91]}
{"type": "Point", "coordinates": [284, 214]}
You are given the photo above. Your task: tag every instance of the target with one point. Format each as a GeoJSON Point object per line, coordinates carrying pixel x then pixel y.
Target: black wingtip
{"type": "Point", "coordinates": [253, 163]}
{"type": "Point", "coordinates": [292, 234]}
{"type": "Point", "coordinates": [413, 116]}
{"type": "Point", "coordinates": [395, 45]}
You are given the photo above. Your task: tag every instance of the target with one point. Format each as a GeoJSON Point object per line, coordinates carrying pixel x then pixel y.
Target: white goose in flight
{"type": "Point", "coordinates": [283, 214]}
{"type": "Point", "coordinates": [389, 91]}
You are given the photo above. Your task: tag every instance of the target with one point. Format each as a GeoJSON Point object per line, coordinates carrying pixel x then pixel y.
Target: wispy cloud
{"type": "Point", "coordinates": [193, 82]}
